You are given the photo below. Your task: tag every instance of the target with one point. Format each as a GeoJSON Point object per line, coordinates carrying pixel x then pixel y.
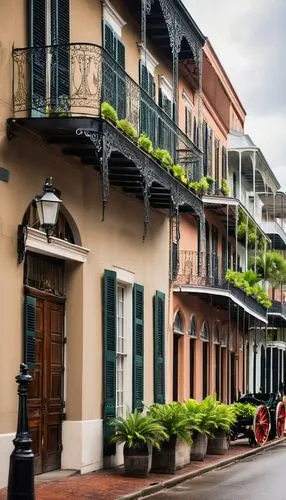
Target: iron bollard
{"type": "Point", "coordinates": [21, 470]}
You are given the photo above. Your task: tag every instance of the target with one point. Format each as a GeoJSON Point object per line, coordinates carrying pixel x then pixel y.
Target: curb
{"type": "Point", "coordinates": [169, 483]}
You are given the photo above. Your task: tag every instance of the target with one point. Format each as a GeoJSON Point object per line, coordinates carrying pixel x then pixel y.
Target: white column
{"type": "Point", "coordinates": [239, 174]}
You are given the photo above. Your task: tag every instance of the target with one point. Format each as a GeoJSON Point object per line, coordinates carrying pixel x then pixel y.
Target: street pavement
{"type": "Point", "coordinates": [259, 477]}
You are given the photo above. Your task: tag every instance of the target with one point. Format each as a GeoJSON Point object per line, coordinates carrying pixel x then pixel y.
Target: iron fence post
{"type": "Point", "coordinates": [21, 470]}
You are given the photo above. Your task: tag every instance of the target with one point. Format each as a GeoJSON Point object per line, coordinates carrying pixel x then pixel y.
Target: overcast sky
{"type": "Point", "coordinates": [249, 37]}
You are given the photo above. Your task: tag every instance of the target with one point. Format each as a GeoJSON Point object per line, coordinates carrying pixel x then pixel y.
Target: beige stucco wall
{"type": "Point", "coordinates": [115, 242]}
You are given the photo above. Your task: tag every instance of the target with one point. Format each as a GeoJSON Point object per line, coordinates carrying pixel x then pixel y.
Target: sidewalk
{"type": "Point", "coordinates": [112, 485]}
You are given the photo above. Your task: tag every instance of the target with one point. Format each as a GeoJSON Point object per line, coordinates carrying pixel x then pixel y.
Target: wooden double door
{"type": "Point", "coordinates": [45, 396]}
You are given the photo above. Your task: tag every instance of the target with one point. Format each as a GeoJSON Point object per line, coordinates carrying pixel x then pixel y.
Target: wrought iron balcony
{"type": "Point", "coordinates": [277, 308]}
{"type": "Point", "coordinates": [208, 270]}
{"type": "Point", "coordinates": [276, 233]}
{"type": "Point", "coordinates": [74, 80]}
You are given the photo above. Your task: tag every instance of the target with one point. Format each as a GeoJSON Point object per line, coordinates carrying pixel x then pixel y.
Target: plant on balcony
{"type": "Point", "coordinates": [225, 187]}
{"type": "Point", "coordinates": [127, 128]}
{"type": "Point", "coordinates": [175, 450]}
{"type": "Point", "coordinates": [109, 113]}
{"type": "Point", "coordinates": [164, 157]}
{"type": "Point", "coordinates": [177, 170]}
{"type": "Point", "coordinates": [145, 143]}
{"type": "Point", "coordinates": [210, 180]}
{"type": "Point", "coordinates": [243, 280]}
{"type": "Point", "coordinates": [184, 179]}
{"type": "Point", "coordinates": [140, 433]}
{"type": "Point", "coordinates": [200, 186]}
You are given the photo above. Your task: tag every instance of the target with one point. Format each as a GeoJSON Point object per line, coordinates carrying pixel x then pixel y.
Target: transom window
{"type": "Point", "coordinates": [205, 331]}
{"type": "Point", "coordinates": [61, 230]}
{"type": "Point", "coordinates": [120, 351]}
{"type": "Point", "coordinates": [179, 323]}
{"type": "Point", "coordinates": [193, 327]}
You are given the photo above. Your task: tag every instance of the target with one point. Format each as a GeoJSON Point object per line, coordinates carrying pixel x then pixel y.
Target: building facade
{"type": "Point", "coordinates": [88, 309]}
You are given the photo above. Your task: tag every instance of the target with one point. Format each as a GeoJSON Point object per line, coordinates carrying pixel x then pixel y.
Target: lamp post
{"type": "Point", "coordinates": [21, 470]}
{"type": "Point", "coordinates": [48, 205]}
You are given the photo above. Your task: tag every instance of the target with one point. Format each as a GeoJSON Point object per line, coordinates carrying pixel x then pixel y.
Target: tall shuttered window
{"type": "Point", "coordinates": [109, 356]}
{"type": "Point", "coordinates": [224, 162]}
{"type": "Point", "coordinates": [205, 148]}
{"type": "Point", "coordinates": [159, 347]}
{"type": "Point", "coordinates": [166, 136]}
{"type": "Point", "coordinates": [148, 118]}
{"type": "Point", "coordinates": [120, 351]}
{"type": "Point", "coordinates": [217, 158]}
{"type": "Point", "coordinates": [49, 26]}
{"type": "Point", "coordinates": [138, 346]}
{"type": "Point", "coordinates": [195, 132]}
{"type": "Point", "coordinates": [30, 331]}
{"type": "Point", "coordinates": [114, 87]}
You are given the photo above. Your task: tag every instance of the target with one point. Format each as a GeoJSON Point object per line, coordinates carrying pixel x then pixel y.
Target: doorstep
{"type": "Point", "coordinates": [113, 485]}
{"type": "Point", "coordinates": [54, 475]}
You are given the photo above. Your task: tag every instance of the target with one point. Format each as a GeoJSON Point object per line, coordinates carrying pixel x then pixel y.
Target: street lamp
{"type": "Point", "coordinates": [48, 205]}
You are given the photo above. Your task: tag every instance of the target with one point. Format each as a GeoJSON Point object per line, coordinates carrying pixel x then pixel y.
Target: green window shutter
{"type": "Point", "coordinates": [159, 347]}
{"type": "Point", "coordinates": [109, 40]}
{"type": "Point", "coordinates": [120, 81]}
{"type": "Point", "coordinates": [37, 38]}
{"type": "Point", "coordinates": [60, 68]}
{"type": "Point", "coordinates": [109, 357]}
{"type": "Point", "coordinates": [30, 331]}
{"type": "Point", "coordinates": [138, 346]}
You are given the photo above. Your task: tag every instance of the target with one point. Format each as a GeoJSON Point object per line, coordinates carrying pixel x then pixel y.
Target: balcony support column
{"type": "Point", "coordinates": [239, 173]}
{"type": "Point", "coordinates": [236, 229]}
{"type": "Point", "coordinates": [246, 244]}
{"type": "Point", "coordinates": [254, 169]}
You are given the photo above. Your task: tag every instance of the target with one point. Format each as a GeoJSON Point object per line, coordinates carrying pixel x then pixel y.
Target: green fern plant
{"type": "Point", "coordinates": [108, 112]}
{"type": "Point", "coordinates": [243, 410]}
{"type": "Point", "coordinates": [127, 128]}
{"type": "Point", "coordinates": [137, 429]}
{"type": "Point", "coordinates": [177, 170]}
{"type": "Point", "coordinates": [201, 416]}
{"type": "Point", "coordinates": [225, 188]}
{"type": "Point", "coordinates": [145, 143]}
{"type": "Point", "coordinates": [173, 418]}
{"type": "Point", "coordinates": [164, 157]}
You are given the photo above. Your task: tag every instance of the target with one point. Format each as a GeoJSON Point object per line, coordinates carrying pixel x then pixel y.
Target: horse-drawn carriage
{"type": "Point", "coordinates": [267, 422]}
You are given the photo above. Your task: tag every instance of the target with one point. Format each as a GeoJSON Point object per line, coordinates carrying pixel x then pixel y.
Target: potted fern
{"type": "Point", "coordinates": [202, 419]}
{"type": "Point", "coordinates": [139, 433]}
{"type": "Point", "coordinates": [224, 417]}
{"type": "Point", "coordinates": [109, 113]}
{"type": "Point", "coordinates": [174, 452]}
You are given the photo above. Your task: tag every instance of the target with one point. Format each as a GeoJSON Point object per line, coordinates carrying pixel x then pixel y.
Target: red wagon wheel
{"type": "Point", "coordinates": [261, 425]}
{"type": "Point", "coordinates": [280, 419]}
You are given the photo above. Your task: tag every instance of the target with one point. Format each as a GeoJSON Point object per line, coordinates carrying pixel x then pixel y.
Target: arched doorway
{"type": "Point", "coordinates": [216, 341]}
{"type": "Point", "coordinates": [193, 336]}
{"type": "Point", "coordinates": [44, 341]}
{"type": "Point", "coordinates": [205, 358]}
{"type": "Point", "coordinates": [178, 331]}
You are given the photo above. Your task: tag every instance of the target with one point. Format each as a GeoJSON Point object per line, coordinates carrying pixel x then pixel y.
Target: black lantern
{"type": "Point", "coordinates": [48, 205]}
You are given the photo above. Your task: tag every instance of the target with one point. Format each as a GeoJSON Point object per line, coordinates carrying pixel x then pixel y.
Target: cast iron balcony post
{"type": "Point", "coordinates": [21, 471]}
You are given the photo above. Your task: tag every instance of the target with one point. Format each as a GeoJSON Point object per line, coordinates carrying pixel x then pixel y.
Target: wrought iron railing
{"type": "Point", "coordinates": [206, 269]}
{"type": "Point", "coordinates": [74, 79]}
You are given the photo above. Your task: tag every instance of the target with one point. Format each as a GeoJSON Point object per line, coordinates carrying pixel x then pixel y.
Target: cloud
{"type": "Point", "coordinates": [250, 38]}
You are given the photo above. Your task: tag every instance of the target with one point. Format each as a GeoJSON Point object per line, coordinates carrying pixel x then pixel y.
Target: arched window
{"type": "Point", "coordinates": [205, 331]}
{"type": "Point", "coordinates": [62, 229]}
{"type": "Point", "coordinates": [193, 327]}
{"type": "Point", "coordinates": [179, 323]}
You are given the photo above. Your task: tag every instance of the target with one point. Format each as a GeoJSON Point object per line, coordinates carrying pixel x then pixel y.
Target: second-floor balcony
{"type": "Point", "coordinates": [276, 233]}
{"type": "Point", "coordinates": [204, 273]}
{"type": "Point", "coordinates": [58, 93]}
{"type": "Point", "coordinates": [277, 314]}
{"type": "Point", "coordinates": [75, 79]}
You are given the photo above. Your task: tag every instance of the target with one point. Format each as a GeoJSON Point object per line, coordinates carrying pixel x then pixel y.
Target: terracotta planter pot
{"type": "Point", "coordinates": [218, 444]}
{"type": "Point", "coordinates": [199, 446]}
{"type": "Point", "coordinates": [137, 462]}
{"type": "Point", "coordinates": [173, 455]}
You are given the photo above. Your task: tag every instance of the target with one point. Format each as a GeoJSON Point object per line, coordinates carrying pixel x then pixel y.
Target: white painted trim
{"type": "Point", "coordinates": [218, 291]}
{"type": "Point", "coordinates": [219, 200]}
{"type": "Point", "coordinates": [36, 241]}
{"type": "Point", "coordinates": [189, 103]}
{"type": "Point", "coordinates": [82, 445]}
{"type": "Point", "coordinates": [148, 59]}
{"type": "Point", "coordinates": [124, 276]}
{"type": "Point", "coordinates": [111, 16]}
{"type": "Point", "coordinates": [277, 343]}
{"type": "Point", "coordinates": [6, 448]}
{"type": "Point", "coordinates": [166, 88]}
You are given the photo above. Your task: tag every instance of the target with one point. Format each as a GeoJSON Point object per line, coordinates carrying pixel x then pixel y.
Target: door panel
{"type": "Point", "coordinates": [45, 396]}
